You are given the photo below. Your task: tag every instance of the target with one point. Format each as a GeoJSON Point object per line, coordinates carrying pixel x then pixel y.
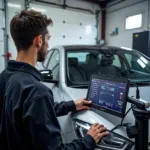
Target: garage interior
{"type": "Point", "coordinates": [116, 23]}
{"type": "Point", "coordinates": [98, 22]}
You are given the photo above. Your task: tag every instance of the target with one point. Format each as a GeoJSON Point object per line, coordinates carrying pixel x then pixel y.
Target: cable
{"type": "Point", "coordinates": [137, 90]}
{"type": "Point", "coordinates": [132, 105]}
{"type": "Point", "coordinates": [123, 124]}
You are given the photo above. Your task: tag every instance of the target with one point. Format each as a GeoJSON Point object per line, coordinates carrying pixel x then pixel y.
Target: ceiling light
{"type": "Point", "coordinates": [38, 9]}
{"type": "Point", "coordinates": [14, 5]}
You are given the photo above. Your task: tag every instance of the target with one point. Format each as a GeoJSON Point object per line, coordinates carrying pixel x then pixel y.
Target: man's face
{"type": "Point", "coordinates": [43, 50]}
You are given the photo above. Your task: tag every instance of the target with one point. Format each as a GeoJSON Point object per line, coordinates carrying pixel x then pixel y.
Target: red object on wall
{"type": "Point", "coordinates": [103, 21]}
{"type": "Point", "coordinates": [9, 56]}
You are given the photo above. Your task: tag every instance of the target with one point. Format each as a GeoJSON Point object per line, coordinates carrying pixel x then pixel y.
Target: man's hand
{"type": "Point", "coordinates": [97, 131]}
{"type": "Point", "coordinates": [82, 104]}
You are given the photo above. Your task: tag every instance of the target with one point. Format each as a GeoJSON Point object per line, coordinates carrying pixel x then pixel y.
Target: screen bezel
{"type": "Point", "coordinates": [113, 79]}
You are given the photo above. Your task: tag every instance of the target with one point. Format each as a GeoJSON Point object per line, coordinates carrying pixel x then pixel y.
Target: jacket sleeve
{"type": "Point", "coordinates": [64, 108]}
{"type": "Point", "coordinates": [43, 127]}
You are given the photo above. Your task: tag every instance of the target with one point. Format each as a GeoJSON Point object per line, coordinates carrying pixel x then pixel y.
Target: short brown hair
{"type": "Point", "coordinates": [24, 27]}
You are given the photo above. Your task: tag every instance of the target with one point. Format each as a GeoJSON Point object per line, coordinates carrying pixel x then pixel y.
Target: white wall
{"type": "Point", "coordinates": [116, 18]}
{"type": "Point", "coordinates": [83, 4]}
{"type": "Point", "coordinates": [71, 29]}
{"type": "Point", "coordinates": [11, 11]}
{"type": "Point", "coordinates": [77, 3]}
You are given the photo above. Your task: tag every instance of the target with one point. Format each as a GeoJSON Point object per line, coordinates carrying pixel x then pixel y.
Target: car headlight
{"type": "Point", "coordinates": [116, 142]}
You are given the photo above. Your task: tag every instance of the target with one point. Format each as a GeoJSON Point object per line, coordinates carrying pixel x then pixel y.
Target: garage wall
{"type": "Point", "coordinates": [70, 26]}
{"type": "Point", "coordinates": [11, 11]}
{"type": "Point", "coordinates": [116, 18]}
{"type": "Point", "coordinates": [76, 3]}
{"type": "Point", "coordinates": [2, 60]}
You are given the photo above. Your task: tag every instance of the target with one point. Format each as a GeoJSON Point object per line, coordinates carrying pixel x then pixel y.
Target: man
{"type": "Point", "coordinates": [28, 112]}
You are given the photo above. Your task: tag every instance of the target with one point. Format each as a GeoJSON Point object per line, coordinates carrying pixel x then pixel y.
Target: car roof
{"type": "Point", "coordinates": [72, 47]}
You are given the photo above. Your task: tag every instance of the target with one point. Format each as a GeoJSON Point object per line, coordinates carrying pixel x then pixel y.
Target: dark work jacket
{"type": "Point", "coordinates": [28, 113]}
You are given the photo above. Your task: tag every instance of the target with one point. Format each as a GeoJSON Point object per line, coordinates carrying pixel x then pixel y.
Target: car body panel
{"type": "Point", "coordinates": [63, 93]}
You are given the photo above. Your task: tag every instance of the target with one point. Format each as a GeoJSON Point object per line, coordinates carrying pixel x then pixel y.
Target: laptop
{"type": "Point", "coordinates": [109, 94]}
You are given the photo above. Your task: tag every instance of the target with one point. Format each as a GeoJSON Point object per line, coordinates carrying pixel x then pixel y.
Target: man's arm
{"type": "Point", "coordinates": [43, 126]}
{"type": "Point", "coordinates": [63, 108]}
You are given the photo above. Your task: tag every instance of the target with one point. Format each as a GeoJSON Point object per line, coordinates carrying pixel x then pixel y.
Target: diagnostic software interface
{"type": "Point", "coordinates": [107, 94]}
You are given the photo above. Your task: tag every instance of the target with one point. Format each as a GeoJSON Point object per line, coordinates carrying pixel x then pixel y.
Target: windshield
{"type": "Point", "coordinates": [81, 64]}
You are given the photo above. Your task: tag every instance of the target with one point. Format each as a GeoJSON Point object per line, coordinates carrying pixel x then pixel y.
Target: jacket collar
{"type": "Point", "coordinates": [24, 67]}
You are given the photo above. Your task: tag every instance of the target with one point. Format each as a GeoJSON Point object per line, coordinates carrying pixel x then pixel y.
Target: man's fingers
{"type": "Point", "coordinates": [86, 107]}
{"type": "Point", "coordinates": [101, 135]}
{"type": "Point", "coordinates": [102, 129]}
{"type": "Point", "coordinates": [87, 102]}
{"type": "Point", "coordinates": [95, 124]}
{"type": "Point", "coordinates": [100, 126]}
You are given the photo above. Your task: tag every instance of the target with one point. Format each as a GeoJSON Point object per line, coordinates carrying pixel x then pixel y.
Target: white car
{"type": "Point", "coordinates": [70, 69]}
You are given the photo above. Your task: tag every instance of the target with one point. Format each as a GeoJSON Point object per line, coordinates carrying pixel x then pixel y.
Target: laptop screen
{"type": "Point", "coordinates": [109, 94]}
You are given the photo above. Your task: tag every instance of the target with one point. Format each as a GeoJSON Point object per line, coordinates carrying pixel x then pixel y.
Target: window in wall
{"type": "Point", "coordinates": [134, 21]}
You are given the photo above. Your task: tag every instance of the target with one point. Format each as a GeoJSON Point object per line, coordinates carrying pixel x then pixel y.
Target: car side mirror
{"type": "Point", "coordinates": [48, 76]}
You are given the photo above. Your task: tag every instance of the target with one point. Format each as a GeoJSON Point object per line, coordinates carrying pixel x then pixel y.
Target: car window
{"type": "Point", "coordinates": [116, 61]}
{"type": "Point", "coordinates": [47, 58]}
{"type": "Point", "coordinates": [81, 64]}
{"type": "Point", "coordinates": [54, 64]}
{"type": "Point", "coordinates": [138, 63]}
{"type": "Point", "coordinates": [80, 56]}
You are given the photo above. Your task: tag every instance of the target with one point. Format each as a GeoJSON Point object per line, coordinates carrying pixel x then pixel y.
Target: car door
{"type": "Point", "coordinates": [53, 65]}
